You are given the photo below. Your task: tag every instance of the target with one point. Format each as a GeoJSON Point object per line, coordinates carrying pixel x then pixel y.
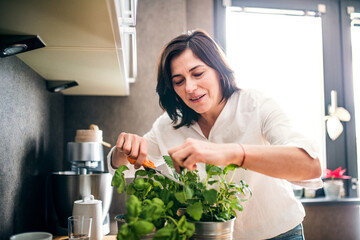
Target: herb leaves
{"type": "Point", "coordinates": [157, 202]}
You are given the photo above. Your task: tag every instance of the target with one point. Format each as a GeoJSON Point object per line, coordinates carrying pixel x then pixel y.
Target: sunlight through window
{"type": "Point", "coordinates": [281, 55]}
{"type": "Point", "coordinates": [355, 45]}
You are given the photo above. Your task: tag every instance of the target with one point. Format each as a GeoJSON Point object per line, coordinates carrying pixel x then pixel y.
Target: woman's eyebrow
{"type": "Point", "coordinates": [193, 68]}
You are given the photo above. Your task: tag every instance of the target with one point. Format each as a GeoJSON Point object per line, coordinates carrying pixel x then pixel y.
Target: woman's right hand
{"type": "Point", "coordinates": [129, 145]}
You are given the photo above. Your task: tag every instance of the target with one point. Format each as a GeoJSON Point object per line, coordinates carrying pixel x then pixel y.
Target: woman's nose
{"type": "Point", "coordinates": [190, 85]}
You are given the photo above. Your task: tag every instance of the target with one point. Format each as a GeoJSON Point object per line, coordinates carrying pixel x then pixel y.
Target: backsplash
{"type": "Point", "coordinates": [31, 130]}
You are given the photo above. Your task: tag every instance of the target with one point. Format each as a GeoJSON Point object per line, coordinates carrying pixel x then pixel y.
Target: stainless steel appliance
{"type": "Point", "coordinates": [86, 177]}
{"type": "Point", "coordinates": [85, 157]}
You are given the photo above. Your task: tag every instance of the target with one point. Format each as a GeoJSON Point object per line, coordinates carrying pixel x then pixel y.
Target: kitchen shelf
{"type": "Point", "coordinates": [324, 201]}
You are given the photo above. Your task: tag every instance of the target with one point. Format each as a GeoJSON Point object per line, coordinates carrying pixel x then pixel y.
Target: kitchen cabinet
{"type": "Point", "coordinates": [326, 219]}
{"type": "Point", "coordinates": [127, 11]}
{"type": "Point", "coordinates": [92, 42]}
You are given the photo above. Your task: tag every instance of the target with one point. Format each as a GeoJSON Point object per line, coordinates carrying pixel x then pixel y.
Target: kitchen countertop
{"type": "Point", "coordinates": [324, 201]}
{"type": "Point", "coordinates": [108, 237]}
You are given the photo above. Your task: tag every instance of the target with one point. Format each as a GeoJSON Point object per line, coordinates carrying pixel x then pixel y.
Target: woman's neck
{"type": "Point", "coordinates": [207, 120]}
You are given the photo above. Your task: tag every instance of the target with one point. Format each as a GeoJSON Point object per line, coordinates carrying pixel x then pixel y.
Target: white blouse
{"type": "Point", "coordinates": [248, 117]}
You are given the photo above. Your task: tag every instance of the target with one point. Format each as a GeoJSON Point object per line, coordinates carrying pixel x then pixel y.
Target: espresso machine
{"type": "Point", "coordinates": [85, 177]}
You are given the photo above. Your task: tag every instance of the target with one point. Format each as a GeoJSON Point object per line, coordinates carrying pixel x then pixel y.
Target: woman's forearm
{"type": "Point", "coordinates": [285, 162]}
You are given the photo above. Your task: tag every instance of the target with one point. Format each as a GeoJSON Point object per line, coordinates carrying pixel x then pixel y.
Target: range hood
{"type": "Point", "coordinates": [85, 42]}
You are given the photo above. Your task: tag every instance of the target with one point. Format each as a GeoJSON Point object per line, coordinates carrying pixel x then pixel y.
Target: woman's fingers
{"type": "Point", "coordinates": [133, 146]}
{"type": "Point", "coordinates": [194, 151]}
{"type": "Point", "coordinates": [184, 155]}
{"type": "Point", "coordinates": [184, 163]}
{"type": "Point", "coordinates": [141, 151]}
{"type": "Point", "coordinates": [176, 166]}
{"type": "Point", "coordinates": [190, 163]}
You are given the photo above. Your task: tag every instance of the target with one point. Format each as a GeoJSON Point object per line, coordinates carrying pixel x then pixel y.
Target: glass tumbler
{"type": "Point", "coordinates": [79, 227]}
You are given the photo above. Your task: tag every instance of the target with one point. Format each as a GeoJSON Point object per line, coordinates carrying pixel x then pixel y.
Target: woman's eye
{"type": "Point", "coordinates": [198, 74]}
{"type": "Point", "coordinates": [178, 82]}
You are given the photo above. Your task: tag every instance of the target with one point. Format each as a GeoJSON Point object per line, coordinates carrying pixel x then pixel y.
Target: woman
{"type": "Point", "coordinates": [209, 120]}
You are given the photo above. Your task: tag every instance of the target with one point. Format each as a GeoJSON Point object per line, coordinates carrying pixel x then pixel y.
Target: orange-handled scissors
{"type": "Point", "coordinates": [150, 165]}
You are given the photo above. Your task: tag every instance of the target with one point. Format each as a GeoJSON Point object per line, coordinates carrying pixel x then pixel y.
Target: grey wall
{"type": "Point", "coordinates": [31, 139]}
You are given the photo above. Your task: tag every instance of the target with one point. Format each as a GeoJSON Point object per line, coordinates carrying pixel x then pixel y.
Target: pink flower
{"type": "Point", "coordinates": [337, 173]}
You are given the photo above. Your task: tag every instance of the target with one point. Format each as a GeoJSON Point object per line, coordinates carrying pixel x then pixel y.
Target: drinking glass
{"type": "Point", "coordinates": [79, 227]}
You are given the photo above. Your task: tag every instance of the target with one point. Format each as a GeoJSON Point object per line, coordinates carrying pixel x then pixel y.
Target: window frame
{"type": "Point", "coordinates": [342, 151]}
{"type": "Point", "coordinates": [351, 148]}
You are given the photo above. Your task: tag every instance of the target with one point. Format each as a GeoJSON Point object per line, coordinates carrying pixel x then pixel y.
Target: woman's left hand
{"type": "Point", "coordinates": [193, 151]}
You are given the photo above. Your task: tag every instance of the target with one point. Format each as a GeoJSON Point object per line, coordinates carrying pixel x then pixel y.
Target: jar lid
{"type": "Point", "coordinates": [94, 134]}
{"type": "Point", "coordinates": [89, 199]}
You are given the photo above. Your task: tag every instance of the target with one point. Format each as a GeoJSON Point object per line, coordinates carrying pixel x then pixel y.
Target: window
{"type": "Point", "coordinates": [335, 24]}
{"type": "Point", "coordinates": [280, 54]}
{"type": "Point", "coordinates": [355, 40]}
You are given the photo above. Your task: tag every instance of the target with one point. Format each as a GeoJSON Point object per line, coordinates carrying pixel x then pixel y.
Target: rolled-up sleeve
{"type": "Point", "coordinates": [277, 130]}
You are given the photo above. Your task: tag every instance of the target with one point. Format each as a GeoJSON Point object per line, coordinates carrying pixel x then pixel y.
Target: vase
{"type": "Point", "coordinates": [333, 189]}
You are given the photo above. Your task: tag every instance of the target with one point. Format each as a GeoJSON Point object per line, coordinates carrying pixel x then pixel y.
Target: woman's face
{"type": "Point", "coordinates": [197, 84]}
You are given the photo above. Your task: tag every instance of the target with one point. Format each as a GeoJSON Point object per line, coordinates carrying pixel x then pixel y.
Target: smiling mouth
{"type": "Point", "coordinates": [196, 98]}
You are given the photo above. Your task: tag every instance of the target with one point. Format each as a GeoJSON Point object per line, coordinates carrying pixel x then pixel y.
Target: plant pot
{"type": "Point", "coordinates": [333, 189]}
{"type": "Point", "coordinates": [120, 220]}
{"type": "Point", "coordinates": [214, 230]}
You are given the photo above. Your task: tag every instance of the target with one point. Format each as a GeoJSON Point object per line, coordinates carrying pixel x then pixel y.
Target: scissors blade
{"type": "Point", "coordinates": [167, 175]}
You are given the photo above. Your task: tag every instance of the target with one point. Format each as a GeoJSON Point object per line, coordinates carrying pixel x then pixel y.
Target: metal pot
{"type": "Point", "coordinates": [68, 187]}
{"type": "Point", "coordinates": [214, 230]}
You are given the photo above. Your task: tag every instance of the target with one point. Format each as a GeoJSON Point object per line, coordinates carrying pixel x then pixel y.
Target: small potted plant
{"type": "Point", "coordinates": [211, 203]}
{"type": "Point", "coordinates": [198, 209]}
{"type": "Point", "coordinates": [334, 184]}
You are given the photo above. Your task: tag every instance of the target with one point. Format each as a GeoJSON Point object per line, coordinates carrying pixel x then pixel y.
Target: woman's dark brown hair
{"type": "Point", "coordinates": [206, 49]}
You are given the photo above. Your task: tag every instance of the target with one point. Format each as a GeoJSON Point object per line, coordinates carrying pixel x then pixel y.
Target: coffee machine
{"type": "Point", "coordinates": [86, 177]}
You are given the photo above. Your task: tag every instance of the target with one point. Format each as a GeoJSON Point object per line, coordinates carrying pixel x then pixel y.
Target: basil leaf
{"type": "Point", "coordinates": [164, 233]}
{"type": "Point", "coordinates": [188, 192]}
{"type": "Point", "coordinates": [212, 182]}
{"type": "Point", "coordinates": [236, 206]}
{"type": "Point", "coordinates": [133, 207]}
{"type": "Point", "coordinates": [180, 196]}
{"type": "Point", "coordinates": [230, 167]}
{"type": "Point", "coordinates": [165, 196]}
{"type": "Point", "coordinates": [170, 204]}
{"type": "Point", "coordinates": [213, 170]}
{"type": "Point", "coordinates": [140, 173]}
{"type": "Point", "coordinates": [139, 184]}
{"type": "Point", "coordinates": [182, 225]}
{"type": "Point", "coordinates": [118, 179]}
{"type": "Point", "coordinates": [190, 229]}
{"type": "Point", "coordinates": [195, 211]}
{"type": "Point", "coordinates": [210, 196]}
{"type": "Point", "coordinates": [158, 201]}
{"type": "Point", "coordinates": [143, 227]}
{"type": "Point", "coordinates": [160, 179]}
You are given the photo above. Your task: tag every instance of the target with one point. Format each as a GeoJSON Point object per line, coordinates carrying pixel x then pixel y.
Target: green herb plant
{"type": "Point", "coordinates": [151, 205]}
{"type": "Point", "coordinates": [155, 201]}
{"type": "Point", "coordinates": [212, 199]}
